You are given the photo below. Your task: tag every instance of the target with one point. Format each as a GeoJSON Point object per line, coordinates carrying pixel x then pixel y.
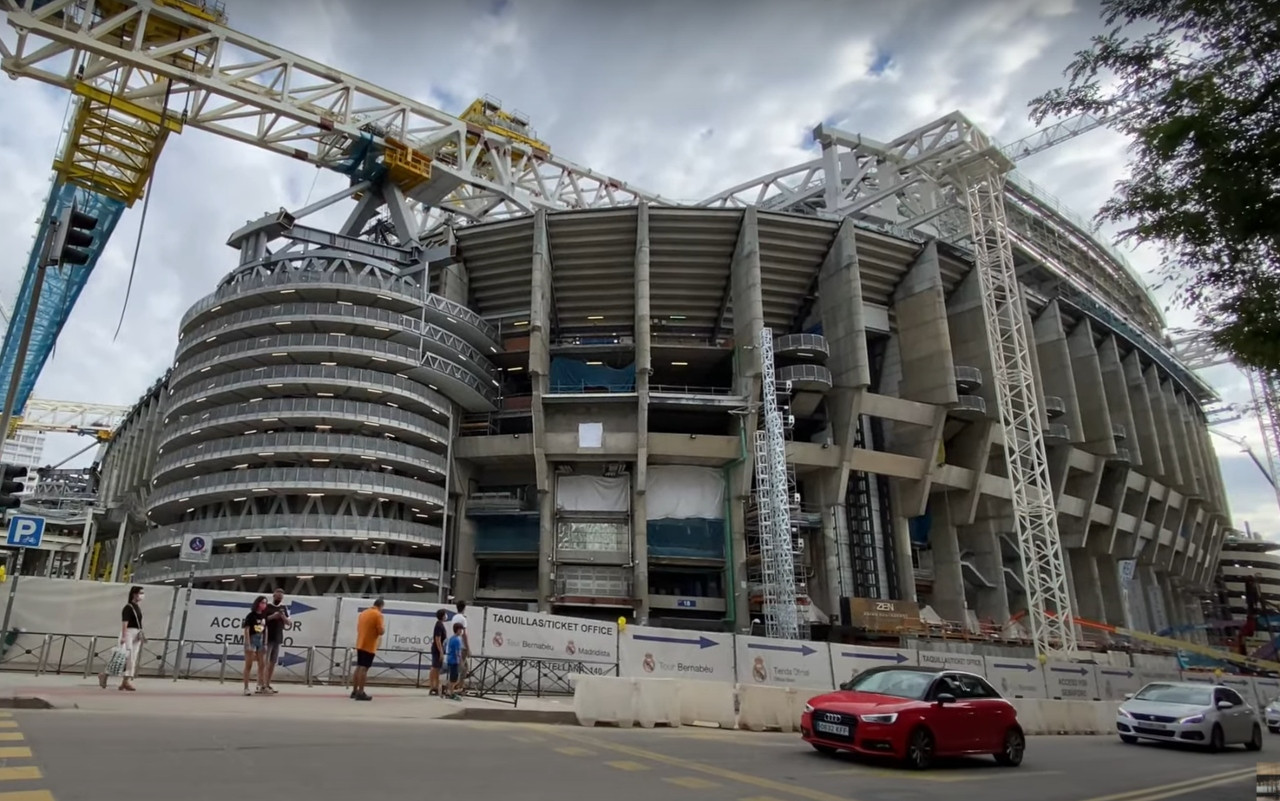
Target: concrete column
{"type": "Point", "coordinates": [1143, 419]}
{"type": "Point", "coordinates": [539, 373]}
{"type": "Point", "coordinates": [748, 321]}
{"type": "Point", "coordinates": [843, 325]}
{"type": "Point", "coordinates": [1171, 473]}
{"type": "Point", "coordinates": [1117, 391]}
{"type": "Point", "coordinates": [465, 574]}
{"type": "Point", "coordinates": [1084, 574]}
{"type": "Point", "coordinates": [983, 546]}
{"type": "Point", "coordinates": [1113, 605]}
{"type": "Point", "coordinates": [121, 531]}
{"type": "Point", "coordinates": [1055, 365]}
{"type": "Point", "coordinates": [902, 546]}
{"type": "Point", "coordinates": [948, 577]}
{"type": "Point", "coordinates": [86, 543]}
{"type": "Point", "coordinates": [644, 369]}
{"type": "Point", "coordinates": [1095, 415]}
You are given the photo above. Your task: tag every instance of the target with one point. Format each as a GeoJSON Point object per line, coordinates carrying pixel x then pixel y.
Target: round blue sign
{"type": "Point", "coordinates": [196, 544]}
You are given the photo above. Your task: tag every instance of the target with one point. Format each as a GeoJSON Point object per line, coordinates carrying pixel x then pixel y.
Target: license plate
{"type": "Point", "coordinates": [832, 728]}
{"type": "Point", "coordinates": [1151, 725]}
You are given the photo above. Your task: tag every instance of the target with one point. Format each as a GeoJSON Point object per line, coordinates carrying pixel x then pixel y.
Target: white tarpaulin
{"type": "Point", "coordinates": [593, 493]}
{"type": "Point", "coordinates": [681, 492]}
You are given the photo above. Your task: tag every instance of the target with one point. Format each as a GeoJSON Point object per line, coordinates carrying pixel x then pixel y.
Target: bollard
{"type": "Point", "coordinates": [222, 668]}
{"type": "Point", "coordinates": [44, 654]}
{"type": "Point", "coordinates": [177, 661]}
{"type": "Point", "coordinates": [90, 657]}
{"type": "Point", "coordinates": [311, 658]}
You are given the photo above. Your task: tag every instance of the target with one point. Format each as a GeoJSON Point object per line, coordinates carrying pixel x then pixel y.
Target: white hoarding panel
{"type": "Point", "coordinates": [1071, 681]}
{"type": "Point", "coordinates": [848, 661]}
{"type": "Point", "coordinates": [1266, 691]}
{"type": "Point", "coordinates": [788, 663]}
{"type": "Point", "coordinates": [1199, 678]}
{"type": "Point", "coordinates": [1157, 667]}
{"type": "Point", "coordinates": [535, 635]}
{"type": "Point", "coordinates": [404, 652]}
{"type": "Point", "coordinates": [1114, 683]}
{"type": "Point", "coordinates": [1016, 678]}
{"type": "Point", "coordinates": [675, 654]}
{"type": "Point", "coordinates": [972, 663]}
{"type": "Point", "coordinates": [215, 626]}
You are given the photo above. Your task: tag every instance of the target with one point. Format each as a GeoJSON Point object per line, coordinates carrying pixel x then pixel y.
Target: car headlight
{"type": "Point", "coordinates": [887, 718]}
{"type": "Point", "coordinates": [1124, 713]}
{"type": "Point", "coordinates": [1193, 719]}
{"type": "Point", "coordinates": [808, 707]}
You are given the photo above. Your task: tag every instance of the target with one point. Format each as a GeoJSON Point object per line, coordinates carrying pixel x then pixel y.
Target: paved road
{"type": "Point", "coordinates": [117, 756]}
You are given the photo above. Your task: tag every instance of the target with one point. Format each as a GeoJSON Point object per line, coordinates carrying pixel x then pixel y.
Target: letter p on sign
{"type": "Point", "coordinates": [25, 531]}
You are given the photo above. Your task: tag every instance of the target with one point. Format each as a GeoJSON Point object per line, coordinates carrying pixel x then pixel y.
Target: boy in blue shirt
{"type": "Point", "coordinates": [453, 661]}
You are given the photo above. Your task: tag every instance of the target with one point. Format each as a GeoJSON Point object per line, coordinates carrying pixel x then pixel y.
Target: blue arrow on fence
{"type": "Point", "coordinates": [411, 612]}
{"type": "Point", "coordinates": [895, 658]}
{"type": "Point", "coordinates": [286, 659]}
{"type": "Point", "coordinates": [1128, 674]}
{"type": "Point", "coordinates": [1077, 671]}
{"type": "Point", "coordinates": [701, 642]}
{"type": "Point", "coordinates": [1023, 666]}
{"type": "Point", "coordinates": [295, 607]}
{"type": "Point", "coordinates": [803, 650]}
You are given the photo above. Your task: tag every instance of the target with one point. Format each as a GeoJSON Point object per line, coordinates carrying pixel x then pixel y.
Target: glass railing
{"type": "Point", "coordinates": [283, 444]}
{"type": "Point", "coordinates": [294, 527]}
{"type": "Point", "coordinates": [292, 563]}
{"type": "Point", "coordinates": [298, 479]}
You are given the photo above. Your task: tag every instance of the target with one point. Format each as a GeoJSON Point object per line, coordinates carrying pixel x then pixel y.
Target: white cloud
{"type": "Point", "coordinates": [682, 99]}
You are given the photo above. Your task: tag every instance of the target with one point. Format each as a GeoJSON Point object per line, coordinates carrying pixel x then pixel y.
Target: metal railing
{"type": "Point", "coordinates": [686, 389]}
{"type": "Point", "coordinates": [238, 565]}
{"type": "Point", "coordinates": [496, 678]}
{"type": "Point", "coordinates": [295, 526]}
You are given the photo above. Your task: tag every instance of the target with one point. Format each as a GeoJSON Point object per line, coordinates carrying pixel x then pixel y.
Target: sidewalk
{"type": "Point", "coordinates": [195, 697]}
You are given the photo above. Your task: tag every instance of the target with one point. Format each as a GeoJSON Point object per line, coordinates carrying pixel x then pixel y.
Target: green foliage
{"type": "Point", "coordinates": [1196, 85]}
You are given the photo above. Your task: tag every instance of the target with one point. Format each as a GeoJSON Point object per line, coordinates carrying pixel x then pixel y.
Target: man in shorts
{"type": "Point", "coordinates": [460, 618]}
{"type": "Point", "coordinates": [439, 639]}
{"type": "Point", "coordinates": [370, 626]}
{"type": "Point", "coordinates": [277, 622]}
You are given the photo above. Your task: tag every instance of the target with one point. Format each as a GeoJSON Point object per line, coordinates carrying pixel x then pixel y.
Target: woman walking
{"type": "Point", "coordinates": [255, 627]}
{"type": "Point", "coordinates": [131, 641]}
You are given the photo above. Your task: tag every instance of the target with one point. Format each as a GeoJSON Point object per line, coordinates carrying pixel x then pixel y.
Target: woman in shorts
{"type": "Point", "coordinates": [255, 630]}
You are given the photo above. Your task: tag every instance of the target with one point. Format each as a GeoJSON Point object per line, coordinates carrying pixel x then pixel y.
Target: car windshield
{"type": "Point", "coordinates": [1175, 694]}
{"type": "Point", "coordinates": [898, 683]}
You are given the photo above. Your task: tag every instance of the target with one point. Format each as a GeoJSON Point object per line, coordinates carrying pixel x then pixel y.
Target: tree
{"type": "Point", "coordinates": [1196, 85]}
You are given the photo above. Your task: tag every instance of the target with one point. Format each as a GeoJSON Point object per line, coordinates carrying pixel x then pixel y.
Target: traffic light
{"type": "Point", "coordinates": [9, 487]}
{"type": "Point", "coordinates": [74, 234]}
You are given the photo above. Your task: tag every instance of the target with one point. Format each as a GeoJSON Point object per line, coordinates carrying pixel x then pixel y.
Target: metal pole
{"type": "Point", "coordinates": [445, 575]}
{"type": "Point", "coordinates": [13, 591]}
{"type": "Point", "coordinates": [86, 538]}
{"type": "Point", "coordinates": [186, 604]}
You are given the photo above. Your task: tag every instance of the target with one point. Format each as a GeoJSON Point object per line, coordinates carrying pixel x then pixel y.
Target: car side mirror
{"type": "Point", "coordinates": [945, 698]}
{"type": "Point", "coordinates": [846, 685]}
{"type": "Point", "coordinates": [1128, 696]}
{"type": "Point", "coordinates": [1225, 705]}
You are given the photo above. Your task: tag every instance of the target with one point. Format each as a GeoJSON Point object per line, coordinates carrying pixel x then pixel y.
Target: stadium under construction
{"type": "Point", "coordinates": [899, 372]}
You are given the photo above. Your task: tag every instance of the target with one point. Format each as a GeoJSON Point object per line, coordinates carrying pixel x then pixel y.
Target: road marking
{"type": "Point", "coordinates": [526, 738]}
{"type": "Point", "coordinates": [691, 782]}
{"type": "Point", "coordinates": [783, 788]}
{"type": "Point", "coordinates": [973, 775]}
{"type": "Point", "coordinates": [11, 736]}
{"type": "Point", "coordinates": [1179, 788]}
{"type": "Point", "coordinates": [27, 795]}
{"type": "Point", "coordinates": [760, 798]}
{"type": "Point", "coordinates": [25, 773]}
{"type": "Point", "coordinates": [625, 764]}
{"type": "Point", "coordinates": [8, 724]}
{"type": "Point", "coordinates": [572, 751]}
{"type": "Point", "coordinates": [15, 752]}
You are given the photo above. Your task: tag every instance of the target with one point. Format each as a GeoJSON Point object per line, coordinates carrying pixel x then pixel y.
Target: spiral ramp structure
{"type": "Point", "coordinates": [307, 428]}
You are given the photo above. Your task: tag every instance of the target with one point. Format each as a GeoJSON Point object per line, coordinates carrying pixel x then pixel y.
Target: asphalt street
{"type": "Point", "coordinates": [79, 755]}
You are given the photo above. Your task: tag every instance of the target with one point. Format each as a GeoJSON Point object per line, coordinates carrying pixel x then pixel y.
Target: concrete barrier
{"type": "Point", "coordinates": [657, 701]}
{"type": "Point", "coordinates": [1039, 716]}
{"type": "Point", "coordinates": [707, 703]}
{"type": "Point", "coordinates": [605, 699]}
{"type": "Point", "coordinates": [762, 708]}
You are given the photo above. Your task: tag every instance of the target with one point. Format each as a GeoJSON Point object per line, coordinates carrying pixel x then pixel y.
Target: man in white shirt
{"type": "Point", "coordinates": [459, 617]}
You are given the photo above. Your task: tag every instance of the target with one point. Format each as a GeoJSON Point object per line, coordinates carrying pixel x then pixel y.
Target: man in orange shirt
{"type": "Point", "coordinates": [370, 627]}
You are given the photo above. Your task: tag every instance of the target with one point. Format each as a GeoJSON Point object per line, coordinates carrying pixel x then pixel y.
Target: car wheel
{"type": "Point", "coordinates": [1015, 745]}
{"type": "Point", "coordinates": [1217, 741]}
{"type": "Point", "coordinates": [920, 749]}
{"type": "Point", "coordinates": [1128, 739]}
{"type": "Point", "coordinates": [823, 749]}
{"type": "Point", "coordinates": [1255, 742]}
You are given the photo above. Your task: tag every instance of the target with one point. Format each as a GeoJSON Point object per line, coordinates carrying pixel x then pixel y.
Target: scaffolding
{"type": "Point", "coordinates": [775, 572]}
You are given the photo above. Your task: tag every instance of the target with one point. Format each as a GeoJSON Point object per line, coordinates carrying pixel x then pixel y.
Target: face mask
{"type": "Point", "coordinates": [140, 597]}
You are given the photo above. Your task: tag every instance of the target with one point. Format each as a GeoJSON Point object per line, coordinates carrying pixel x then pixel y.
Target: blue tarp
{"type": "Point", "coordinates": [515, 533]}
{"type": "Point", "coordinates": [692, 538]}
{"type": "Point", "coordinates": [571, 375]}
{"type": "Point", "coordinates": [920, 529]}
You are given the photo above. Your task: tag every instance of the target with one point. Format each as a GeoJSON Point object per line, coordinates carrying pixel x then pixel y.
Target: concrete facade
{"type": "Point", "coordinates": [625, 340]}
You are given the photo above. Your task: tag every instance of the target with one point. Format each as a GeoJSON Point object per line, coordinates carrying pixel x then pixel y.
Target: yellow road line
{"type": "Point", "coordinates": [526, 738]}
{"type": "Point", "coordinates": [27, 795]}
{"type": "Point", "coordinates": [24, 773]}
{"type": "Point", "coordinates": [8, 724]}
{"type": "Point", "coordinates": [1179, 788]}
{"type": "Point", "coordinates": [572, 751]}
{"type": "Point", "coordinates": [783, 788]}
{"type": "Point", "coordinates": [760, 798]}
{"type": "Point", "coordinates": [691, 782]}
{"type": "Point", "coordinates": [15, 752]}
{"type": "Point", "coordinates": [624, 764]}
{"type": "Point", "coordinates": [974, 775]}
{"type": "Point", "coordinates": [11, 736]}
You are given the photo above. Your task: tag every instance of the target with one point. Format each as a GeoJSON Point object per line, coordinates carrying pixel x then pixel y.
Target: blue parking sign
{"type": "Point", "coordinates": [25, 531]}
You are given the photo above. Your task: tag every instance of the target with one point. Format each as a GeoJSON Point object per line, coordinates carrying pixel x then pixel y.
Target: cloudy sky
{"type": "Point", "coordinates": [679, 98]}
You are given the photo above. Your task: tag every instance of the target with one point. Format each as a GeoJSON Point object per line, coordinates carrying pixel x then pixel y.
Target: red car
{"type": "Point", "coordinates": [915, 714]}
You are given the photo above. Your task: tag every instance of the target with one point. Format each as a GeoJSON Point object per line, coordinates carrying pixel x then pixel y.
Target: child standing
{"type": "Point", "coordinates": [453, 661]}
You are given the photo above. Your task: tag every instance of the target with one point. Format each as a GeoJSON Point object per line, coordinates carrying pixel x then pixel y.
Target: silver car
{"type": "Point", "coordinates": [1272, 715]}
{"type": "Point", "coordinates": [1185, 712]}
